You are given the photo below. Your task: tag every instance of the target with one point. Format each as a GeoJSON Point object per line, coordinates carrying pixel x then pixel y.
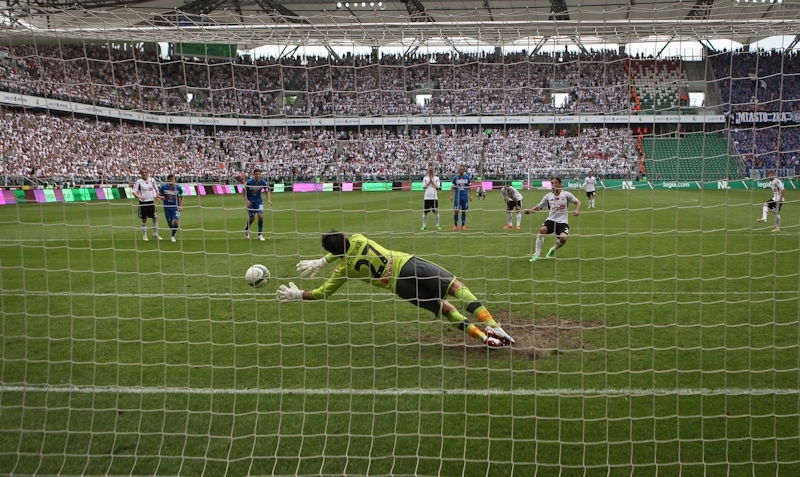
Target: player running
{"type": "Point", "coordinates": [172, 195]}
{"type": "Point", "coordinates": [590, 186]}
{"type": "Point", "coordinates": [462, 192]}
{"type": "Point", "coordinates": [775, 204]}
{"type": "Point", "coordinates": [253, 201]}
{"type": "Point", "coordinates": [557, 221]}
{"type": "Point", "coordinates": [146, 190]}
{"type": "Point", "coordinates": [431, 183]}
{"type": "Point", "coordinates": [413, 279]}
{"type": "Point", "coordinates": [513, 201]}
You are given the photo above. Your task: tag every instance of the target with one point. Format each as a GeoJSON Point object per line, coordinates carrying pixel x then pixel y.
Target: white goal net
{"type": "Point", "coordinates": [655, 325]}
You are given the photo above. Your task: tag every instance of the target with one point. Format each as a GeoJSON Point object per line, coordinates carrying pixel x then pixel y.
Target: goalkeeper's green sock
{"type": "Point", "coordinates": [465, 325]}
{"type": "Point", "coordinates": [475, 307]}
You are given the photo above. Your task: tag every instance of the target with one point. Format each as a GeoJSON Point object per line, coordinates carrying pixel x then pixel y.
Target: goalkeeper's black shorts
{"type": "Point", "coordinates": [424, 284]}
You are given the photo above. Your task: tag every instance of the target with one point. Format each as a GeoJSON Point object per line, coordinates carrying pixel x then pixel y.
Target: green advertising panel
{"type": "Point", "coordinates": [676, 185]}
{"type": "Point", "coordinates": [617, 184]}
{"type": "Point", "coordinates": [81, 194]}
{"type": "Point", "coordinates": [376, 186]}
{"type": "Point", "coordinates": [327, 187]}
{"type": "Point", "coordinates": [68, 195]}
{"type": "Point", "coordinates": [202, 50]}
{"type": "Point", "coordinates": [447, 185]}
{"type": "Point", "coordinates": [92, 194]}
{"type": "Point", "coordinates": [115, 193]}
{"type": "Point", "coordinates": [516, 184]}
{"type": "Point", "coordinates": [49, 195]}
{"type": "Point", "coordinates": [279, 188]}
{"type": "Point", "coordinates": [20, 196]}
{"type": "Point", "coordinates": [416, 186]}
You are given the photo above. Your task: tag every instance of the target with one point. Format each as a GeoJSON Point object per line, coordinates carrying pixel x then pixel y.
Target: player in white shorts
{"type": "Point", "coordinates": [775, 204]}
{"type": "Point", "coordinates": [513, 200]}
{"type": "Point", "coordinates": [557, 221]}
{"type": "Point", "coordinates": [431, 184]}
{"type": "Point", "coordinates": [146, 190]}
{"type": "Point", "coordinates": [590, 186]}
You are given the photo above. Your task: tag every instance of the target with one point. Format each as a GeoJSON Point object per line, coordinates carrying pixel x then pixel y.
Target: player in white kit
{"type": "Point", "coordinates": [513, 200]}
{"type": "Point", "coordinates": [775, 204]}
{"type": "Point", "coordinates": [431, 183]}
{"type": "Point", "coordinates": [557, 221]}
{"type": "Point", "coordinates": [590, 186]}
{"type": "Point", "coordinates": [146, 190]}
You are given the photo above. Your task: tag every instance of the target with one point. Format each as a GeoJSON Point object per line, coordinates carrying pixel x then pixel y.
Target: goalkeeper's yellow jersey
{"type": "Point", "coordinates": [364, 260]}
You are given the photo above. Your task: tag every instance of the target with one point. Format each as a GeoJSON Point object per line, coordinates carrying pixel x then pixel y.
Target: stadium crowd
{"type": "Point", "coordinates": [769, 148]}
{"type": "Point", "coordinates": [43, 147]}
{"type": "Point", "coordinates": [758, 80]}
{"type": "Point", "coordinates": [356, 85]}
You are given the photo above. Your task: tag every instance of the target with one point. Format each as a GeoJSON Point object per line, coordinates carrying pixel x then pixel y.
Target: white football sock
{"type": "Point", "coordinates": [764, 212]}
{"type": "Point", "coordinates": [144, 229]}
{"type": "Point", "coordinates": [777, 221]}
{"type": "Point", "coordinates": [519, 218]}
{"type": "Point", "coordinates": [558, 245]}
{"type": "Point", "coordinates": [539, 243]}
{"type": "Point", "coordinates": [508, 218]}
{"type": "Point", "coordinates": [424, 219]}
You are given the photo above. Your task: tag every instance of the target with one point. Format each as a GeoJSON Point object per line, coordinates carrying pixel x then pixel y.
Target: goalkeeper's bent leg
{"type": "Point", "coordinates": [453, 316]}
{"type": "Point", "coordinates": [474, 306]}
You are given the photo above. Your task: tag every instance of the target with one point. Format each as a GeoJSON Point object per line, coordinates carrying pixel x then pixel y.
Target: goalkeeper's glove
{"type": "Point", "coordinates": [311, 267]}
{"type": "Point", "coordinates": [290, 293]}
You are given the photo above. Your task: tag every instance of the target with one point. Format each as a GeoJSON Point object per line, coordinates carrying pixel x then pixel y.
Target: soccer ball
{"type": "Point", "coordinates": [257, 276]}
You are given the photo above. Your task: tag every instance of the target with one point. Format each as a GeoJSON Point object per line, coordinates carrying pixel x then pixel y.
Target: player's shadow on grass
{"type": "Point", "coordinates": [536, 338]}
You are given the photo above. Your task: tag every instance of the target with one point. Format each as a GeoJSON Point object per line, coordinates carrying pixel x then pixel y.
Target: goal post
{"type": "Point", "coordinates": [657, 334]}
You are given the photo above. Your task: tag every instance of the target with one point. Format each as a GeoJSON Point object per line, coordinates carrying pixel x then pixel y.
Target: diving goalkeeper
{"type": "Point", "coordinates": [413, 279]}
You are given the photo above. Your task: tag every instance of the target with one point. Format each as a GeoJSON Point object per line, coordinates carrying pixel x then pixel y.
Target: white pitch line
{"type": "Point", "coordinates": [140, 390]}
{"type": "Point", "coordinates": [254, 293]}
{"type": "Point", "coordinates": [443, 234]}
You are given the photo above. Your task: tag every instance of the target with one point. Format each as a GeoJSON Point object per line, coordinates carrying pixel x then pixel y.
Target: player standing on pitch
{"type": "Point", "coordinates": [431, 183]}
{"type": "Point", "coordinates": [172, 195]}
{"type": "Point", "coordinates": [513, 201]}
{"type": "Point", "coordinates": [462, 192]}
{"type": "Point", "coordinates": [413, 279]}
{"type": "Point", "coordinates": [557, 221]}
{"type": "Point", "coordinates": [590, 186]}
{"type": "Point", "coordinates": [775, 204]}
{"type": "Point", "coordinates": [146, 190]}
{"type": "Point", "coordinates": [254, 204]}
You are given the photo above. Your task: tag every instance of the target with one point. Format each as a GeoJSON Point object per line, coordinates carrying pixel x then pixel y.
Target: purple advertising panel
{"type": "Point", "coordinates": [347, 187]}
{"type": "Point", "coordinates": [59, 195]}
{"type": "Point", "coordinates": [39, 194]}
{"type": "Point", "coordinates": [7, 198]}
{"type": "Point", "coordinates": [306, 187]}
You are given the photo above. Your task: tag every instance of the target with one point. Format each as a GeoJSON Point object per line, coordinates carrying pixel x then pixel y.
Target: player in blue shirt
{"type": "Point", "coordinates": [461, 195]}
{"type": "Point", "coordinates": [253, 201]}
{"type": "Point", "coordinates": [172, 195]}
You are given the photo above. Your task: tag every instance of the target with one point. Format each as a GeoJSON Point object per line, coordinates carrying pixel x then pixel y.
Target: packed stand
{"type": "Point", "coordinates": [458, 84]}
{"type": "Point", "coordinates": [769, 148]}
{"type": "Point", "coordinates": [41, 147]}
{"type": "Point", "coordinates": [758, 81]}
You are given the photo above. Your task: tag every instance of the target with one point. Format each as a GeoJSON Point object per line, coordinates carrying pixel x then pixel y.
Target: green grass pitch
{"type": "Point", "coordinates": [662, 340]}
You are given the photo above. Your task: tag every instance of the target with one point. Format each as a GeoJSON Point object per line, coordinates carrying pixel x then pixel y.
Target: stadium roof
{"type": "Point", "coordinates": [250, 23]}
